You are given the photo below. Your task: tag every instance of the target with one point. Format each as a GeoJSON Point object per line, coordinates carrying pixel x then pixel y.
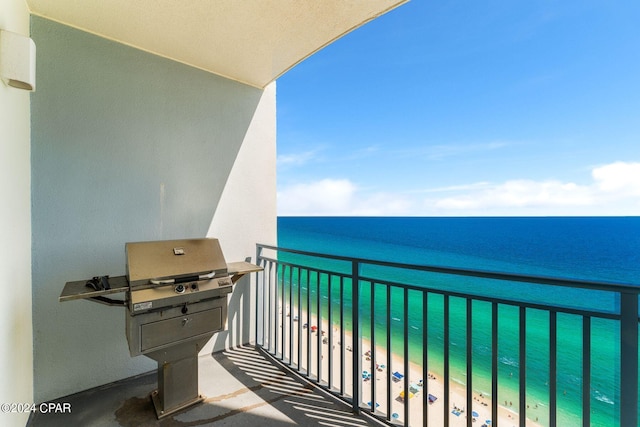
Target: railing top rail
{"type": "Point", "coordinates": [512, 277]}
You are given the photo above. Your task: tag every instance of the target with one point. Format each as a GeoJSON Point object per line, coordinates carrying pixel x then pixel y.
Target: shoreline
{"type": "Point", "coordinates": [433, 385]}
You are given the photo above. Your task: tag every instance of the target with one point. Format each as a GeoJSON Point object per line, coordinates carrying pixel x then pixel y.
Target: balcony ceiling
{"type": "Point", "coordinates": [250, 41]}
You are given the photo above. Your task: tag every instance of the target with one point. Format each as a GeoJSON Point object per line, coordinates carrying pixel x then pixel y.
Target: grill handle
{"type": "Point", "coordinates": [183, 279]}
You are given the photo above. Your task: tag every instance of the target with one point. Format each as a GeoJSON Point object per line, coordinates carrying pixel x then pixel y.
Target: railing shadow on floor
{"type": "Point", "coordinates": [292, 398]}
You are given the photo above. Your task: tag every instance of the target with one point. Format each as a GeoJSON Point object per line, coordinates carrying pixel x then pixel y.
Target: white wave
{"type": "Point", "coordinates": [602, 398]}
{"type": "Point", "coordinates": [483, 349]}
{"type": "Point", "coordinates": [458, 380]}
{"type": "Point", "coordinates": [509, 361]}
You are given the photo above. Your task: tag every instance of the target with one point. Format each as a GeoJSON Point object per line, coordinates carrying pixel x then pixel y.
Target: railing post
{"type": "Point", "coordinates": [586, 371]}
{"type": "Point", "coordinates": [405, 352]}
{"type": "Point", "coordinates": [522, 353]}
{"type": "Point", "coordinates": [553, 369]}
{"type": "Point", "coordinates": [628, 359]}
{"type": "Point", "coordinates": [355, 318]}
{"type": "Point", "coordinates": [258, 253]}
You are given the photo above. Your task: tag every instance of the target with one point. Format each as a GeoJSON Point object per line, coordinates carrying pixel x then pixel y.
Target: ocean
{"type": "Point", "coordinates": [588, 248]}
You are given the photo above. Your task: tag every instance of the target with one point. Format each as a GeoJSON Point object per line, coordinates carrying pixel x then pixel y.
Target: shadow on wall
{"type": "Point", "coordinates": [126, 146]}
{"type": "Point", "coordinates": [239, 316]}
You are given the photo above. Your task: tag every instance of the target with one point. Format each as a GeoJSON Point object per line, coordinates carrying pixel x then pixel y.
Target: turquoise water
{"type": "Point", "coordinates": [606, 249]}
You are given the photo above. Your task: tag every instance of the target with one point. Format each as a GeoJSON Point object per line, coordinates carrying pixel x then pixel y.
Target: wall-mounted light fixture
{"type": "Point", "coordinates": [17, 60]}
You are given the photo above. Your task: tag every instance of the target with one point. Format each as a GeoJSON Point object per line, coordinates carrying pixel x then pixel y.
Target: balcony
{"type": "Point", "coordinates": [434, 346]}
{"type": "Point", "coordinates": [421, 346]}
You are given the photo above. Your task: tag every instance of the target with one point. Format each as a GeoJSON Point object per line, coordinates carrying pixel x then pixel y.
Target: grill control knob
{"type": "Point", "coordinates": [179, 289]}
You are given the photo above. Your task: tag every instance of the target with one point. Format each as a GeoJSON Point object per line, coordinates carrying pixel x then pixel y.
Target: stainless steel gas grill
{"type": "Point", "coordinates": [175, 295]}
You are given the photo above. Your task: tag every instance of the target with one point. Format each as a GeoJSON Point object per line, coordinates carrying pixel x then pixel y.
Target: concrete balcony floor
{"type": "Point", "coordinates": [242, 386]}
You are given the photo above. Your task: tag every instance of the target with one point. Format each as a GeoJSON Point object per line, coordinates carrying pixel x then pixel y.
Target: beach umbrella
{"type": "Point", "coordinates": [488, 421]}
{"type": "Point", "coordinates": [475, 414]}
{"type": "Point", "coordinates": [432, 398]}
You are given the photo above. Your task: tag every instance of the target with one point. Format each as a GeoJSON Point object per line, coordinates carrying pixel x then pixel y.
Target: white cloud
{"type": "Point", "coordinates": [615, 190]}
{"type": "Point", "coordinates": [325, 197]}
{"type": "Point", "coordinates": [338, 197]}
{"type": "Point", "coordinates": [620, 178]}
{"type": "Point", "coordinates": [297, 159]}
{"type": "Point", "coordinates": [444, 151]}
{"type": "Point", "coordinates": [474, 186]}
{"type": "Point", "coordinates": [521, 193]}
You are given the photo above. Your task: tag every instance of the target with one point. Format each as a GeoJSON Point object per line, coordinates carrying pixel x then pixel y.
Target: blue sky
{"type": "Point", "coordinates": [468, 109]}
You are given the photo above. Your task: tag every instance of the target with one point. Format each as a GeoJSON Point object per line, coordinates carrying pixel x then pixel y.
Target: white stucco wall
{"type": "Point", "coordinates": [16, 361]}
{"type": "Point", "coordinates": [248, 200]}
{"type": "Point", "coordinates": [127, 146]}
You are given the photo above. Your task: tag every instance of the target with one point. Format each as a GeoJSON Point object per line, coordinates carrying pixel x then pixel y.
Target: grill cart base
{"type": "Point", "coordinates": [177, 380]}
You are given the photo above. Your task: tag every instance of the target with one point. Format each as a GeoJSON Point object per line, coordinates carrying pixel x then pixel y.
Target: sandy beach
{"type": "Point", "coordinates": [375, 374]}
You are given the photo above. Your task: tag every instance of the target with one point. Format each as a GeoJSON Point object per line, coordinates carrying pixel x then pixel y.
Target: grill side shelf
{"type": "Point", "coordinates": [238, 269]}
{"type": "Point", "coordinates": [78, 290]}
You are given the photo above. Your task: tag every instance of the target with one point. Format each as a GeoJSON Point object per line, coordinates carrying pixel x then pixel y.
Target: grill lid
{"type": "Point", "coordinates": [173, 259]}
